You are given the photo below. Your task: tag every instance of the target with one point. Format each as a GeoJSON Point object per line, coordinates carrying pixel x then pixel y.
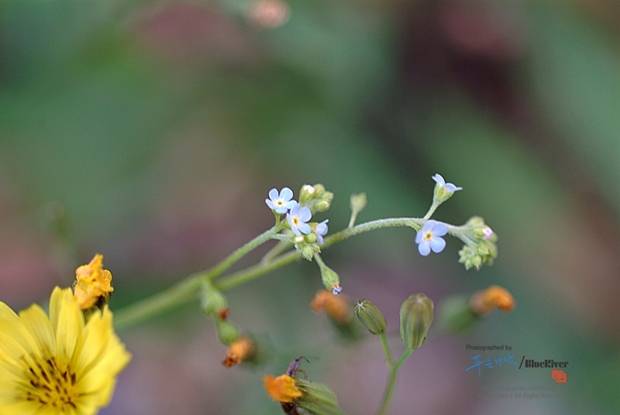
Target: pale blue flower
{"type": "Point", "coordinates": [280, 202]}
{"type": "Point", "coordinates": [321, 230]}
{"type": "Point", "coordinates": [429, 237]}
{"type": "Point", "coordinates": [297, 218]}
{"type": "Point", "coordinates": [450, 187]}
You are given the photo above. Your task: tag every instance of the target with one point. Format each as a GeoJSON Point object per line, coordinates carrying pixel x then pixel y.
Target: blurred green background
{"type": "Point", "coordinates": [152, 131]}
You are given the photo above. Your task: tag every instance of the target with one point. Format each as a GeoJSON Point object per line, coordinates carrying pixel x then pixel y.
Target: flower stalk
{"type": "Point", "coordinates": [187, 290]}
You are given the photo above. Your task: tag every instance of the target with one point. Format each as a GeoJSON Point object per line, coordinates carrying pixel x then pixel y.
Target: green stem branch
{"type": "Point", "coordinates": [386, 401]}
{"type": "Point", "coordinates": [188, 288]}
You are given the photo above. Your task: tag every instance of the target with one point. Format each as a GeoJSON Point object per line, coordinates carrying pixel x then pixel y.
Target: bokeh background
{"type": "Point", "coordinates": [151, 131]}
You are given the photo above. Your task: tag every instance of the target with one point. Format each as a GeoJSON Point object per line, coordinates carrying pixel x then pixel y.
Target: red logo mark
{"type": "Point", "coordinates": [559, 376]}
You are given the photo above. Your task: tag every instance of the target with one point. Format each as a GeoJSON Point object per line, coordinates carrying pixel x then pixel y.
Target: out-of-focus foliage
{"type": "Point", "coordinates": [152, 132]}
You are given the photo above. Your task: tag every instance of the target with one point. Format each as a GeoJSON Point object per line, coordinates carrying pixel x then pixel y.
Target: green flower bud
{"type": "Point", "coordinates": [370, 316]}
{"type": "Point", "coordinates": [212, 300]}
{"type": "Point", "coordinates": [319, 191]}
{"type": "Point", "coordinates": [416, 317]}
{"type": "Point", "coordinates": [227, 332]}
{"type": "Point", "coordinates": [315, 198]}
{"type": "Point", "coordinates": [330, 279]}
{"type": "Point", "coordinates": [358, 202]}
{"type": "Point", "coordinates": [308, 250]}
{"type": "Point", "coordinates": [480, 243]}
{"type": "Point", "coordinates": [322, 206]}
{"type": "Point", "coordinates": [310, 238]}
{"type": "Point", "coordinates": [306, 194]}
{"type": "Point", "coordinates": [317, 398]}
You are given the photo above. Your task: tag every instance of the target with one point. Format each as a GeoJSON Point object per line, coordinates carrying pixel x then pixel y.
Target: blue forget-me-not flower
{"type": "Point", "coordinates": [450, 187]}
{"type": "Point", "coordinates": [297, 218]}
{"type": "Point", "coordinates": [280, 202]}
{"type": "Point", "coordinates": [430, 237]}
{"type": "Point", "coordinates": [321, 230]}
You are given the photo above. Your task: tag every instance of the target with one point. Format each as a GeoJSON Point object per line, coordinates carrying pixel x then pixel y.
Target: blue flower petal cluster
{"type": "Point", "coordinates": [297, 219]}
{"type": "Point", "coordinates": [450, 187]}
{"type": "Point", "coordinates": [280, 202]}
{"type": "Point", "coordinates": [430, 237]}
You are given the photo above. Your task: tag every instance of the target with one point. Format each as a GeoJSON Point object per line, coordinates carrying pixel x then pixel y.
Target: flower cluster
{"type": "Point", "coordinates": [307, 236]}
{"type": "Point", "coordinates": [480, 243]}
{"type": "Point", "coordinates": [479, 239]}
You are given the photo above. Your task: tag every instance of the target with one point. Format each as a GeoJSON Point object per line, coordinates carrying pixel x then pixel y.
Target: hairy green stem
{"type": "Point", "coordinates": [386, 401]}
{"type": "Point", "coordinates": [188, 288]}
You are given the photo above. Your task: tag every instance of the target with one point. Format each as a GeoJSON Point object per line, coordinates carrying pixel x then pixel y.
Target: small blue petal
{"type": "Point", "coordinates": [337, 290]}
{"type": "Point", "coordinates": [286, 194]}
{"type": "Point", "coordinates": [304, 228]}
{"type": "Point", "coordinates": [424, 248]}
{"type": "Point", "coordinates": [304, 214]}
{"type": "Point", "coordinates": [437, 244]}
{"type": "Point", "coordinates": [439, 179]}
{"type": "Point", "coordinates": [439, 229]}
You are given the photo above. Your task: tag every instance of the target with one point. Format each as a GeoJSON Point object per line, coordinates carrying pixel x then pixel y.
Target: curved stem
{"type": "Point", "coordinates": [188, 288]}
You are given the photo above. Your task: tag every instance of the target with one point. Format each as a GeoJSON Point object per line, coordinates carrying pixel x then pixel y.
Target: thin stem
{"type": "Point", "coordinates": [431, 210]}
{"type": "Point", "coordinates": [391, 382]}
{"type": "Point", "coordinates": [188, 288]}
{"type": "Point", "coordinates": [386, 350]}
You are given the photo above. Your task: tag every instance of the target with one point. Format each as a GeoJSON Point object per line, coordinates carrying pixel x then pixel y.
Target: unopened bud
{"type": "Point", "coordinates": [358, 202]}
{"type": "Point", "coordinates": [370, 316]}
{"type": "Point", "coordinates": [227, 331]}
{"type": "Point", "coordinates": [317, 398]}
{"type": "Point", "coordinates": [212, 300]}
{"type": "Point", "coordinates": [239, 350]}
{"type": "Point", "coordinates": [416, 317]}
{"type": "Point", "coordinates": [330, 279]}
{"type": "Point", "coordinates": [306, 193]}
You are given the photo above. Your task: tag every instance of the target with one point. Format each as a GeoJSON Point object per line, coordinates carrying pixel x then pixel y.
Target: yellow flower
{"type": "Point", "coordinates": [92, 283]}
{"type": "Point", "coordinates": [281, 388]}
{"type": "Point", "coordinates": [61, 365]}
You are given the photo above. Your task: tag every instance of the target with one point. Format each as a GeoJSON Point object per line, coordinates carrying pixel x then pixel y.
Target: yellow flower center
{"type": "Point", "coordinates": [51, 384]}
{"type": "Point", "coordinates": [428, 235]}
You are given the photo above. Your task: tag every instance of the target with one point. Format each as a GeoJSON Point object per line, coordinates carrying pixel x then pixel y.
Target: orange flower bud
{"type": "Point", "coordinates": [238, 351]}
{"type": "Point", "coordinates": [483, 302]}
{"type": "Point", "coordinates": [337, 307]}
